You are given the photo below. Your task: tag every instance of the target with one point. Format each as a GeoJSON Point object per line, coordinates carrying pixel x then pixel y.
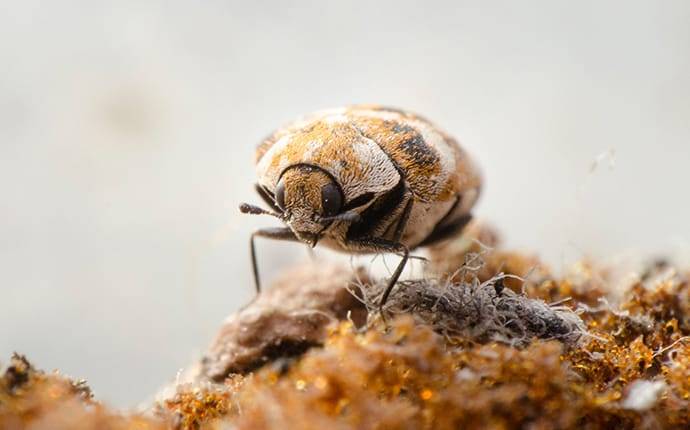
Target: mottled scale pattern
{"type": "Point", "coordinates": [368, 150]}
{"type": "Point", "coordinates": [427, 155]}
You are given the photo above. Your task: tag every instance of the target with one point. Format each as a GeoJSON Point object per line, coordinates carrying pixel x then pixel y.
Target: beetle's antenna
{"type": "Point", "coordinates": [246, 208]}
{"type": "Point", "coordinates": [350, 216]}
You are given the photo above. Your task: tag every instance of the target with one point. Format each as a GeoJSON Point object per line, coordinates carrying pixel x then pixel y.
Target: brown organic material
{"type": "Point", "coordinates": [284, 321]}
{"type": "Point", "coordinates": [481, 350]}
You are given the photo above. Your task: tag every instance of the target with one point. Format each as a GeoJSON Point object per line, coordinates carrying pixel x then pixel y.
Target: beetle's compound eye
{"type": "Point", "coordinates": [331, 199]}
{"type": "Point", "coordinates": [280, 195]}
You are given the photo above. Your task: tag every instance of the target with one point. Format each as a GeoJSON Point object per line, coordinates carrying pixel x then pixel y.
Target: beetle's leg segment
{"type": "Point", "coordinates": [378, 244]}
{"type": "Point", "coordinates": [396, 275]}
{"type": "Point", "coordinates": [276, 233]}
{"type": "Point", "coordinates": [375, 244]}
{"type": "Point", "coordinates": [404, 217]}
{"type": "Point", "coordinates": [402, 223]}
{"type": "Point", "coordinates": [399, 230]}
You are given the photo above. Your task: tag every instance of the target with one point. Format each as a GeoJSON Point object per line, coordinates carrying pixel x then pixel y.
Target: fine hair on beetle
{"type": "Point", "coordinates": [363, 179]}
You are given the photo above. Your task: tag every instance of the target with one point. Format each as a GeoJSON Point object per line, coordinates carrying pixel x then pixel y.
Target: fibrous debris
{"type": "Point", "coordinates": [291, 317]}
{"type": "Point", "coordinates": [480, 312]}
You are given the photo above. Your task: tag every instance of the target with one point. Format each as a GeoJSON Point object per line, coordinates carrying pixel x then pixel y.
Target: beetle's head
{"type": "Point", "coordinates": [310, 200]}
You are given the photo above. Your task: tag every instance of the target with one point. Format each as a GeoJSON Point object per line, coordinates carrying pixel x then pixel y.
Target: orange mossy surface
{"type": "Point", "coordinates": [30, 398]}
{"type": "Point", "coordinates": [630, 370]}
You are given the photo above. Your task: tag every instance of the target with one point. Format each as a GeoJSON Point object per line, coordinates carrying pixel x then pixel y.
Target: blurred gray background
{"type": "Point", "coordinates": [127, 133]}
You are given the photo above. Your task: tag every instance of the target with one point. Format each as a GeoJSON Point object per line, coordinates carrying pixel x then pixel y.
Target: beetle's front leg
{"type": "Point", "coordinates": [276, 233]}
{"type": "Point", "coordinates": [374, 244]}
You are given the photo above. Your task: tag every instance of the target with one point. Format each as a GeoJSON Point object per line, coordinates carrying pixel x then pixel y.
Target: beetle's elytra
{"type": "Point", "coordinates": [364, 179]}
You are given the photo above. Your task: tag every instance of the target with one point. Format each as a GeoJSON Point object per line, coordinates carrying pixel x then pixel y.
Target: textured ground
{"type": "Point", "coordinates": [483, 348]}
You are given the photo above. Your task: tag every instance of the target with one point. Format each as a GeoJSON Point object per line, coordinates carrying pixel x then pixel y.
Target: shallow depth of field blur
{"type": "Point", "coordinates": [127, 133]}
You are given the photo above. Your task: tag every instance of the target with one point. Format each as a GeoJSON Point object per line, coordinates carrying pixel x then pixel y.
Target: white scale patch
{"type": "Point", "coordinates": [418, 225]}
{"type": "Point", "coordinates": [376, 173]}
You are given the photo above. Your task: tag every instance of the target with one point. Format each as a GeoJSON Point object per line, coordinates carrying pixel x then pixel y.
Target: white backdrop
{"type": "Point", "coordinates": [127, 133]}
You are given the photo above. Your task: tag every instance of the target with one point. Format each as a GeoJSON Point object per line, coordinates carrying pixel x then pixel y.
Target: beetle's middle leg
{"type": "Point", "coordinates": [402, 224]}
{"type": "Point", "coordinates": [375, 244]}
{"type": "Point", "coordinates": [276, 233]}
{"type": "Point", "coordinates": [404, 217]}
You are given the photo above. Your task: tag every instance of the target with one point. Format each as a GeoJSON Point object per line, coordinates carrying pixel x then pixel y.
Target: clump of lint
{"type": "Point", "coordinates": [480, 311]}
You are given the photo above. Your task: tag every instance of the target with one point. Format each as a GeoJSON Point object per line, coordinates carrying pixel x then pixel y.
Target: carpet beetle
{"type": "Point", "coordinates": [364, 179]}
